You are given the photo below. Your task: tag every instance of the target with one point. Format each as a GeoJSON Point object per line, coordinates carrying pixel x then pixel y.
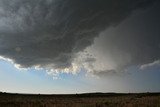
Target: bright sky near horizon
{"type": "Point", "coordinates": [33, 81]}
{"type": "Point", "coordinates": [106, 46]}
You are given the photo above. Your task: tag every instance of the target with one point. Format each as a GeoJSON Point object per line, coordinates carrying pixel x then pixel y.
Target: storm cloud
{"type": "Point", "coordinates": [53, 34]}
{"type": "Point", "coordinates": [133, 43]}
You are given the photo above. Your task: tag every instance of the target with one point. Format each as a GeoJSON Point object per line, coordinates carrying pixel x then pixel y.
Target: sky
{"type": "Point", "coordinates": [68, 46]}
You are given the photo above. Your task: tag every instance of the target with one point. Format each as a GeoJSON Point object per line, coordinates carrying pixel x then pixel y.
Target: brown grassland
{"type": "Point", "coordinates": [81, 100]}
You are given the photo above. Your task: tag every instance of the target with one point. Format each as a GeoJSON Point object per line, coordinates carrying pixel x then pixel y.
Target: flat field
{"type": "Point", "coordinates": [81, 100]}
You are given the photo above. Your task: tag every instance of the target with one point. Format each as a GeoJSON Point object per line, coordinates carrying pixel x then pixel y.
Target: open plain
{"type": "Point", "coordinates": [81, 100]}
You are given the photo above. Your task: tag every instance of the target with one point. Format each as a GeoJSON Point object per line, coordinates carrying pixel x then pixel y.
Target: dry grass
{"type": "Point", "coordinates": [87, 100]}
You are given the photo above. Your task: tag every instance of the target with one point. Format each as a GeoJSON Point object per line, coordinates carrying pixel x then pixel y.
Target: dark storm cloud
{"type": "Point", "coordinates": [49, 32]}
{"type": "Point", "coordinates": [133, 43]}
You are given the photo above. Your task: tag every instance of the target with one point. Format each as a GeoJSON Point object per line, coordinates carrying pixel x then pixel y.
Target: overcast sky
{"type": "Point", "coordinates": [70, 46]}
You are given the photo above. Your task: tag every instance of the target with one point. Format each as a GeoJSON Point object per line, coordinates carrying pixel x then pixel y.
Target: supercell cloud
{"type": "Point", "coordinates": [58, 35]}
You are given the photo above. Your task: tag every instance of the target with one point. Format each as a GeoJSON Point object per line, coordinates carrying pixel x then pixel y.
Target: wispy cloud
{"type": "Point", "coordinates": [150, 65]}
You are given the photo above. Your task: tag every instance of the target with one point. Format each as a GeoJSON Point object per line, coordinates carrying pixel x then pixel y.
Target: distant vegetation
{"type": "Point", "coordinates": [81, 100]}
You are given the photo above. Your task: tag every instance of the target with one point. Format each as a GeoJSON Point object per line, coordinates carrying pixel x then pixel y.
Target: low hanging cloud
{"type": "Point", "coordinates": [150, 65]}
{"type": "Point", "coordinates": [133, 43]}
{"type": "Point", "coordinates": [53, 34]}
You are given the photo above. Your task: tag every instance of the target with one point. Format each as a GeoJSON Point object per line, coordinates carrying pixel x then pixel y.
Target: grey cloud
{"type": "Point", "coordinates": [50, 32]}
{"type": "Point", "coordinates": [150, 65]}
{"type": "Point", "coordinates": [105, 73]}
{"type": "Point", "coordinates": [135, 42]}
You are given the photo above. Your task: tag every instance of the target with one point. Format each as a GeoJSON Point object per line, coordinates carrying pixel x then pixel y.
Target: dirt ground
{"type": "Point", "coordinates": [81, 100]}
